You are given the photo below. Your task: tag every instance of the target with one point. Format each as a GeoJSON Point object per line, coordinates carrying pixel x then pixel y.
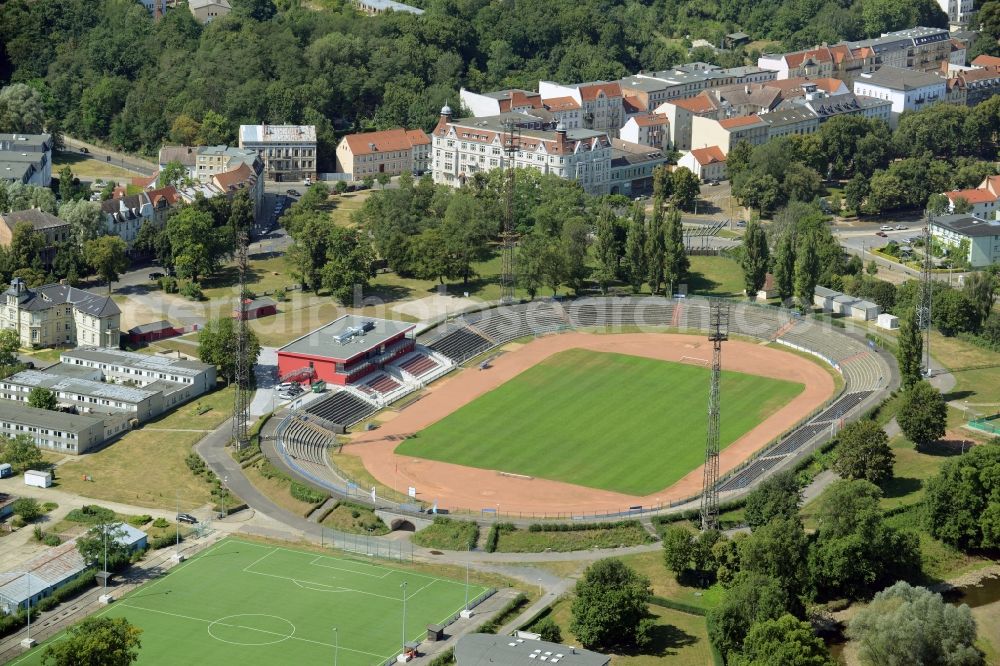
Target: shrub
{"type": "Point", "coordinates": [27, 509]}
{"type": "Point", "coordinates": [279, 294]}
{"type": "Point", "coordinates": [582, 527]}
{"type": "Point", "coordinates": [168, 284]}
{"type": "Point", "coordinates": [17, 522]}
{"type": "Point", "coordinates": [445, 658]}
{"type": "Point", "coordinates": [161, 523]}
{"type": "Point", "coordinates": [91, 514]}
{"type": "Point", "coordinates": [165, 541]}
{"type": "Point", "coordinates": [39, 535]}
{"type": "Point", "coordinates": [195, 463]}
{"type": "Point", "coordinates": [192, 291]}
{"type": "Point", "coordinates": [493, 538]}
{"type": "Point", "coordinates": [304, 493]}
{"type": "Point", "coordinates": [52, 540]}
{"type": "Point", "coordinates": [506, 613]}
{"type": "Point", "coordinates": [139, 521]}
{"type": "Point", "coordinates": [48, 507]}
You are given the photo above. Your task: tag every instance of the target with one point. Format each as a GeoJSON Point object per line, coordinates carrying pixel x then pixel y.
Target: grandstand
{"type": "Point", "coordinates": [866, 374]}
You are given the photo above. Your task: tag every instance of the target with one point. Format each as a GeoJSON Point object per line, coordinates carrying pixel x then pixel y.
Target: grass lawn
{"type": "Point", "coordinates": [342, 206]}
{"type": "Point", "coordinates": [665, 584]}
{"type": "Point", "coordinates": [242, 602]}
{"type": "Point", "coordinates": [146, 467]}
{"type": "Point", "coordinates": [678, 638]}
{"type": "Point", "coordinates": [343, 518]}
{"type": "Point", "coordinates": [265, 276]}
{"type": "Point", "coordinates": [613, 440]}
{"type": "Point", "coordinates": [524, 541]}
{"type": "Point", "coordinates": [85, 168]}
{"type": "Point", "coordinates": [448, 534]}
{"type": "Point", "coordinates": [715, 276]}
{"type": "Point", "coordinates": [277, 490]}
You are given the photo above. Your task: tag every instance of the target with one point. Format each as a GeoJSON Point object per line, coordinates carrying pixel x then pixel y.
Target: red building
{"type": "Point", "coordinates": [158, 330]}
{"type": "Point", "coordinates": [347, 349]}
{"type": "Point", "coordinates": [257, 308]}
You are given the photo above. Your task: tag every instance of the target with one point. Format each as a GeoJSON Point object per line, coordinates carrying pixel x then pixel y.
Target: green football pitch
{"type": "Point", "coordinates": [611, 421]}
{"type": "Point", "coordinates": [248, 603]}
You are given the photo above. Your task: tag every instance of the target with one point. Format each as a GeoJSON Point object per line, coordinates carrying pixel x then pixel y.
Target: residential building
{"type": "Point", "coordinates": [565, 110]}
{"type": "Point", "coordinates": [186, 156]}
{"type": "Point", "coordinates": [647, 130]}
{"type": "Point", "coordinates": [726, 133]}
{"type": "Point", "coordinates": [989, 62]}
{"type": "Point", "coordinates": [142, 369]}
{"type": "Point", "coordinates": [288, 151]}
{"type": "Point", "coordinates": [57, 314]}
{"type": "Point", "coordinates": [26, 159]}
{"type": "Point", "coordinates": [55, 431]}
{"type": "Point", "coordinates": [982, 237]}
{"type": "Point", "coordinates": [600, 102]}
{"type": "Point", "coordinates": [985, 199]}
{"type": "Point", "coordinates": [839, 61]}
{"type": "Point", "coordinates": [633, 106]}
{"type": "Point", "coordinates": [906, 89]}
{"type": "Point", "coordinates": [467, 146]}
{"type": "Point", "coordinates": [789, 122]}
{"type": "Point", "coordinates": [680, 115]}
{"type": "Point", "coordinates": [959, 52]}
{"type": "Point", "coordinates": [959, 11]}
{"type": "Point", "coordinates": [979, 84]}
{"type": "Point", "coordinates": [206, 11]}
{"type": "Point", "coordinates": [375, 7]}
{"type": "Point", "coordinates": [500, 101]}
{"type": "Point", "coordinates": [825, 106]}
{"type": "Point", "coordinates": [655, 88]}
{"type": "Point", "coordinates": [632, 166]}
{"type": "Point", "coordinates": [709, 164]}
{"type": "Point", "coordinates": [156, 8]}
{"type": "Point", "coordinates": [390, 152]}
{"type": "Point", "coordinates": [211, 160]}
{"type": "Point", "coordinates": [123, 217]}
{"type": "Point", "coordinates": [214, 170]}
{"type": "Point", "coordinates": [51, 227]}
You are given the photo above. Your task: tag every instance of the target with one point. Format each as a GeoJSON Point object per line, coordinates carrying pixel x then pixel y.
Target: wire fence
{"type": "Point", "coordinates": [365, 544]}
{"type": "Point", "coordinates": [985, 425]}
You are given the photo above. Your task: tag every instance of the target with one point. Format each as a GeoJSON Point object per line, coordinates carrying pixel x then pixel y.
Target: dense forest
{"type": "Point", "coordinates": [106, 71]}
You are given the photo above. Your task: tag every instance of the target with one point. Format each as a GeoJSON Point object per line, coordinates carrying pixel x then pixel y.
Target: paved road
{"type": "Point", "coordinates": [132, 163]}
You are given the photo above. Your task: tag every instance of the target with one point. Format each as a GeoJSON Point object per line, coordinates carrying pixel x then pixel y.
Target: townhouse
{"type": "Point", "coordinates": [26, 159]}
{"type": "Point", "coordinates": [709, 164]}
{"type": "Point", "coordinates": [654, 88]}
{"type": "Point", "coordinates": [600, 103]}
{"type": "Point", "coordinates": [288, 152]}
{"type": "Point", "coordinates": [647, 130]}
{"type": "Point", "coordinates": [981, 237]}
{"type": "Point", "coordinates": [390, 152]}
{"type": "Point", "coordinates": [49, 226]}
{"type": "Point", "coordinates": [727, 132]}
{"type": "Point", "coordinates": [57, 314]}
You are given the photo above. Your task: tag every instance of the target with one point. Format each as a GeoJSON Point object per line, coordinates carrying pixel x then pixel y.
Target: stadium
{"type": "Point", "coordinates": [586, 408]}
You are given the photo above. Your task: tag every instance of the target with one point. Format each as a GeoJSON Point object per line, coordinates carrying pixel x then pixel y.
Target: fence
{"type": "Point", "coordinates": [365, 544]}
{"type": "Point", "coordinates": [984, 425]}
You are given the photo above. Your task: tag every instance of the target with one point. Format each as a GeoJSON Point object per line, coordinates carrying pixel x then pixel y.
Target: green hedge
{"type": "Point", "coordinates": [92, 514]}
{"type": "Point", "coordinates": [164, 541]}
{"type": "Point", "coordinates": [505, 614]}
{"type": "Point", "coordinates": [493, 538]}
{"type": "Point", "coordinates": [581, 527]}
{"type": "Point", "coordinates": [678, 606]}
{"type": "Point", "coordinates": [84, 581]}
{"type": "Point", "coordinates": [443, 659]}
{"type": "Point", "coordinates": [305, 493]}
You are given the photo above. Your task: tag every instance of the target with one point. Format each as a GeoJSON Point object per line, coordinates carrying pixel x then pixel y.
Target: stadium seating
{"type": "Point", "coordinates": [749, 474]}
{"type": "Point", "coordinates": [418, 365]}
{"type": "Point", "coordinates": [341, 407]}
{"type": "Point", "coordinates": [842, 406]}
{"type": "Point", "coordinates": [460, 344]}
{"type": "Point", "coordinates": [306, 442]}
{"type": "Point", "coordinates": [797, 439]}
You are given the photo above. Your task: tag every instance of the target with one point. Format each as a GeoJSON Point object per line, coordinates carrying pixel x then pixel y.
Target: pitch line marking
{"type": "Point", "coordinates": [257, 561]}
{"type": "Point", "coordinates": [316, 563]}
{"type": "Point", "coordinates": [332, 588]}
{"type": "Point", "coordinates": [237, 626]}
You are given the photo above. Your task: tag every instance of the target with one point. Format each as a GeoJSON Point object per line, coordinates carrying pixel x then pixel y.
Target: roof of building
{"type": "Point", "coordinates": [260, 303]}
{"type": "Point", "coordinates": [112, 356]}
{"type": "Point", "coordinates": [347, 334]}
{"type": "Point", "coordinates": [844, 299]}
{"type": "Point", "coordinates": [52, 295]}
{"type": "Point", "coordinates": [164, 196]}
{"type": "Point", "coordinates": [19, 141]}
{"type": "Point", "coordinates": [591, 91]}
{"type": "Point", "coordinates": [973, 196]}
{"type": "Point", "coordinates": [18, 412]}
{"type": "Point", "coordinates": [236, 178]}
{"type": "Point", "coordinates": [626, 153]}
{"type": "Point", "coordinates": [281, 133]}
{"type": "Point", "coordinates": [560, 104]}
{"type": "Point", "coordinates": [151, 327]}
{"type": "Point", "coordinates": [967, 225]}
{"type": "Point", "coordinates": [896, 78]}
{"type": "Point", "coordinates": [38, 219]}
{"type": "Point", "coordinates": [738, 35]}
{"type": "Point", "coordinates": [741, 121]}
{"type": "Point", "coordinates": [709, 155]}
{"type": "Point", "coordinates": [494, 650]}
{"type": "Point", "coordinates": [52, 568]}
{"type": "Point", "coordinates": [383, 5]}
{"type": "Point", "coordinates": [70, 370]}
{"type": "Point", "coordinates": [825, 292]}
{"type": "Point", "coordinates": [199, 4]}
{"type": "Point", "coordinates": [650, 120]}
{"type": "Point", "coordinates": [386, 141]}
{"type": "Point", "coordinates": [129, 536]}
{"type": "Point", "coordinates": [696, 104]}
{"type": "Point", "coordinates": [535, 133]}
{"type": "Point", "coordinates": [633, 104]}
{"type": "Point", "coordinates": [986, 61]}
{"type": "Point", "coordinates": [186, 155]}
{"type": "Point", "coordinates": [57, 383]}
{"type": "Point", "coordinates": [797, 85]}
{"type": "Point", "coordinates": [864, 305]}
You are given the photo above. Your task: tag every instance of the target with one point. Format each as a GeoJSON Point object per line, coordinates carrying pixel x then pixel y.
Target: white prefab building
{"type": "Point", "coordinates": [37, 479]}
{"type": "Point", "coordinates": [842, 304]}
{"type": "Point", "coordinates": [823, 298]}
{"type": "Point", "coordinates": [864, 310]}
{"type": "Point", "coordinates": [908, 90]}
{"type": "Point", "coordinates": [887, 321]}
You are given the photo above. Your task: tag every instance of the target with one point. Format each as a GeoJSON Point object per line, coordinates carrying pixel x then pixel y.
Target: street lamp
{"type": "Point", "coordinates": [225, 485]}
{"type": "Point", "coordinates": [403, 585]}
{"type": "Point", "coordinates": [336, 646]}
{"type": "Point", "coordinates": [105, 530]}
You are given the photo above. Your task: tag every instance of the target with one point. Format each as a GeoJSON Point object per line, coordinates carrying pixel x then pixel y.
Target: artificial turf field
{"type": "Point", "coordinates": [247, 603]}
{"type": "Point", "coordinates": [611, 421]}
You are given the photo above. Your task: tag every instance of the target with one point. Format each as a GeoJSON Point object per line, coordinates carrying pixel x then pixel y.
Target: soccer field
{"type": "Point", "coordinates": [248, 603]}
{"type": "Point", "coordinates": [602, 420]}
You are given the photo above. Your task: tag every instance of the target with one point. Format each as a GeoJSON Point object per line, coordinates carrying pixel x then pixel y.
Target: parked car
{"type": "Point", "coordinates": [885, 227]}
{"type": "Point", "coordinates": [741, 223]}
{"type": "Point", "coordinates": [85, 151]}
{"type": "Point", "coordinates": [284, 386]}
{"type": "Point", "coordinates": [901, 227]}
{"type": "Point", "coordinates": [186, 518]}
{"type": "Point", "coordinates": [293, 193]}
{"type": "Point", "coordinates": [308, 182]}
{"type": "Point", "coordinates": [156, 275]}
{"type": "Point", "coordinates": [882, 234]}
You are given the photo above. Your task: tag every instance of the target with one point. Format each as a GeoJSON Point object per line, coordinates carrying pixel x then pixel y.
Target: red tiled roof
{"type": "Point", "coordinates": [590, 92]}
{"type": "Point", "coordinates": [821, 54]}
{"type": "Point", "coordinates": [385, 141]}
{"type": "Point", "coordinates": [696, 104]}
{"type": "Point", "coordinates": [650, 120]}
{"type": "Point", "coordinates": [739, 121]}
{"type": "Point", "coordinates": [229, 180]}
{"type": "Point", "coordinates": [561, 104]}
{"type": "Point", "coordinates": [986, 61]}
{"type": "Point", "coordinates": [516, 99]}
{"type": "Point", "coordinates": [633, 104]}
{"type": "Point", "coordinates": [710, 155]}
{"type": "Point", "coordinates": [972, 196]}
{"type": "Point", "coordinates": [168, 193]}
{"type": "Point", "coordinates": [145, 181]}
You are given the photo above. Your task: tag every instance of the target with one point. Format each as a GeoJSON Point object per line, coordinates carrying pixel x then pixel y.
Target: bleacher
{"type": "Point", "coordinates": [749, 474]}
{"type": "Point", "coordinates": [504, 324]}
{"type": "Point", "coordinates": [460, 343]}
{"type": "Point", "coordinates": [341, 407]}
{"type": "Point", "coordinates": [798, 438]}
{"type": "Point", "coordinates": [418, 365]}
{"type": "Point", "coordinates": [842, 406]}
{"type": "Point", "coordinates": [305, 442]}
{"type": "Point", "coordinates": [381, 383]}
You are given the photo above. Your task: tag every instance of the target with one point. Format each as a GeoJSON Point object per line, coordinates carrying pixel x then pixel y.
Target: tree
{"type": "Point", "coordinates": [779, 550]}
{"type": "Point", "coordinates": [856, 192]}
{"type": "Point", "coordinates": [754, 258]}
{"type": "Point", "coordinates": [784, 267]}
{"type": "Point", "coordinates": [635, 248]}
{"type": "Point", "coordinates": [85, 219]}
{"type": "Point", "coordinates": [195, 244]}
{"type": "Point", "coordinates": [678, 549]}
{"type": "Point", "coordinates": [610, 605]}
{"type": "Point", "coordinates": [26, 246]}
{"type": "Point", "coordinates": [777, 496]}
{"type": "Point", "coordinates": [912, 625]}
{"type": "Point", "coordinates": [383, 179]}
{"type": "Point", "coordinates": [173, 173]}
{"type": "Point", "coordinates": [863, 452]}
{"type": "Point", "coordinates": [655, 249]}
{"type": "Point", "coordinates": [107, 256]}
{"type": "Point", "coordinates": [938, 204]}
{"type": "Point", "coordinates": [675, 261]}
{"type": "Point", "coordinates": [922, 414]}
{"type": "Point", "coordinates": [66, 188]}
{"type": "Point", "coordinates": [573, 251]}
{"type": "Point", "coordinates": [96, 641]}
{"type": "Point", "coordinates": [910, 350]}
{"type": "Point", "coordinates": [27, 508]}
{"type": "Point", "coordinates": [786, 641]}
{"type": "Point", "coordinates": [259, 10]}
{"type": "Point", "coordinates": [349, 258]}
{"type": "Point", "coordinates": [20, 452]}
{"type": "Point", "coordinates": [217, 343]}
{"type": "Point", "coordinates": [42, 398]}
{"type": "Point", "coordinates": [215, 129]}
{"type": "Point", "coordinates": [758, 190]}
{"type": "Point", "coordinates": [752, 598]}
{"type": "Point", "coordinates": [605, 250]}
{"type": "Point", "coordinates": [532, 252]}
{"type": "Point", "coordinates": [738, 160]}
{"type": "Point", "coordinates": [961, 503]}
{"type": "Point", "coordinates": [807, 270]}
{"type": "Point", "coordinates": [10, 343]}
{"type": "Point", "coordinates": [91, 545]}
{"type": "Point", "coordinates": [21, 109]}
{"type": "Point", "coordinates": [548, 630]}
{"type": "Point", "coordinates": [184, 130]}
{"type": "Point", "coordinates": [686, 188]}
{"type": "Point", "coordinates": [980, 289]}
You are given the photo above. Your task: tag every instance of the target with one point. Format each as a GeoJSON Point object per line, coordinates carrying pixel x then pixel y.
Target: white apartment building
{"type": "Point", "coordinates": [709, 164]}
{"type": "Point", "coordinates": [288, 151]}
{"type": "Point", "coordinates": [57, 314]}
{"type": "Point", "coordinates": [462, 148]}
{"type": "Point", "coordinates": [907, 90]}
{"type": "Point", "coordinates": [600, 102]}
{"type": "Point", "coordinates": [647, 129]}
{"type": "Point", "coordinates": [655, 88]}
{"type": "Point", "coordinates": [680, 114]}
{"type": "Point", "coordinates": [26, 159]}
